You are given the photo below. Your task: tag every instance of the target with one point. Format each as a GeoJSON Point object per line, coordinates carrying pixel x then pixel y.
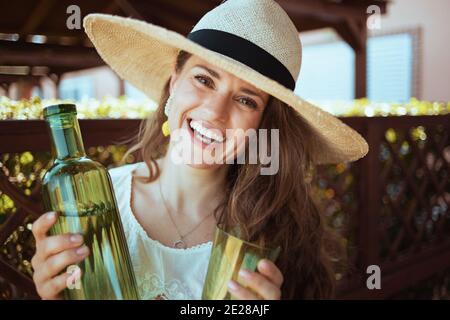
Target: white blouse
{"type": "Point", "coordinates": [161, 272]}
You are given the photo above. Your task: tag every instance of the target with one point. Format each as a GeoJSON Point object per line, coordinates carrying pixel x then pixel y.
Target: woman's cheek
{"type": "Point", "coordinates": [234, 144]}
{"type": "Point", "coordinates": [248, 123]}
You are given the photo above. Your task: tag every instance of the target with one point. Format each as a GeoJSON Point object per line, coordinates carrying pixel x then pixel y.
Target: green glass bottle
{"type": "Point", "coordinates": [80, 189]}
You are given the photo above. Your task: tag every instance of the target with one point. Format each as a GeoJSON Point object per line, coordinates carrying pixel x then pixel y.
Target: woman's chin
{"type": "Point", "coordinates": [204, 166]}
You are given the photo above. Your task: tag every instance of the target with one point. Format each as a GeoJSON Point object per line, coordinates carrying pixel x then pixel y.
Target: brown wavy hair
{"type": "Point", "coordinates": [270, 209]}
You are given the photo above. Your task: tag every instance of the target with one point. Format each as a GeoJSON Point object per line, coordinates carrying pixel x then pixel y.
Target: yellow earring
{"type": "Point", "coordinates": [165, 125]}
{"type": "Point", "coordinates": [165, 128]}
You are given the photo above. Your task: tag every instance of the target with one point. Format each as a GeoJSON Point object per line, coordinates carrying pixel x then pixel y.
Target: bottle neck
{"type": "Point", "coordinates": [66, 136]}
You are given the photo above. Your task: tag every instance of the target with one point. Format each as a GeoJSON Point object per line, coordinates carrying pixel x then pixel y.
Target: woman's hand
{"type": "Point", "coordinates": [53, 255]}
{"type": "Point", "coordinates": [266, 283]}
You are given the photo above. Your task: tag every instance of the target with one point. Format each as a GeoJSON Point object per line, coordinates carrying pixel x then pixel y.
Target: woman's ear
{"type": "Point", "coordinates": [173, 79]}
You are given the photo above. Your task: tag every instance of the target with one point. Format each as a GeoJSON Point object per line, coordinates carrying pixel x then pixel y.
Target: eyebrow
{"type": "Point", "coordinates": [253, 93]}
{"type": "Point", "coordinates": [216, 75]}
{"type": "Point", "coordinates": [212, 72]}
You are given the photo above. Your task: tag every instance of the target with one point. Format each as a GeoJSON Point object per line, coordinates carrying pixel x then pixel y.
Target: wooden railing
{"type": "Point", "coordinates": [392, 207]}
{"type": "Point", "coordinates": [402, 220]}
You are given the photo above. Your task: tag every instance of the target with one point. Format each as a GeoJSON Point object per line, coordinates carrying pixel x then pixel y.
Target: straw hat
{"type": "Point", "coordinates": [254, 40]}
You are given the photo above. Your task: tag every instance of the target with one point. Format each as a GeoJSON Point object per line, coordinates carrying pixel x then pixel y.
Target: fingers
{"type": "Point", "coordinates": [58, 262]}
{"type": "Point", "coordinates": [43, 224]}
{"type": "Point", "coordinates": [51, 289]}
{"type": "Point", "coordinates": [55, 244]}
{"type": "Point", "coordinates": [240, 292]}
{"type": "Point", "coordinates": [265, 284]}
{"type": "Point", "coordinates": [53, 255]}
{"type": "Point", "coordinates": [270, 271]}
{"type": "Point", "coordinates": [260, 284]}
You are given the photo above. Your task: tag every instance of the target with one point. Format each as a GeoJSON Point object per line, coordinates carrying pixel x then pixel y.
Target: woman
{"type": "Point", "coordinates": [235, 71]}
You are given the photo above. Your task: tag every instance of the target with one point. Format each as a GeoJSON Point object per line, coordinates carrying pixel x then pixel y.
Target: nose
{"type": "Point", "coordinates": [217, 108]}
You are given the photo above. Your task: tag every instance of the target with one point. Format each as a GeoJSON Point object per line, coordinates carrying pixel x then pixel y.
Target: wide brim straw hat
{"type": "Point", "coordinates": [254, 40]}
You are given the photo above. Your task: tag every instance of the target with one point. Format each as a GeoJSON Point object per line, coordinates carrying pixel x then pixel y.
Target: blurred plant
{"type": "Point", "coordinates": [108, 107]}
{"type": "Point", "coordinates": [124, 107]}
{"type": "Point", "coordinates": [366, 108]}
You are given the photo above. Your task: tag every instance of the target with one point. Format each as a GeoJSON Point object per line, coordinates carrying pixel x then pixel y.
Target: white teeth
{"type": "Point", "coordinates": [203, 138]}
{"type": "Point", "coordinates": [207, 133]}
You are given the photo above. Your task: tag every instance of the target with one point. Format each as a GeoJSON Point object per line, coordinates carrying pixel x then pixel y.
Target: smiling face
{"type": "Point", "coordinates": [209, 105]}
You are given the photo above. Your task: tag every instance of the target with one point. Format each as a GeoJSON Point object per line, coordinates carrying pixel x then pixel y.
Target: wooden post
{"type": "Point", "coordinates": [361, 64]}
{"type": "Point", "coordinates": [354, 32]}
{"type": "Point", "coordinates": [24, 89]}
{"type": "Point", "coordinates": [5, 87]}
{"type": "Point", "coordinates": [56, 79]}
{"type": "Point", "coordinates": [121, 87]}
{"type": "Point", "coordinates": [370, 199]}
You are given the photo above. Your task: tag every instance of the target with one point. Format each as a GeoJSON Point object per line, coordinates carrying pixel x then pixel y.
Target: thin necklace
{"type": "Point", "coordinates": [180, 243]}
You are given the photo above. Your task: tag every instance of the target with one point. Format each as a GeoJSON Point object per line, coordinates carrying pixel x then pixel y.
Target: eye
{"type": "Point", "coordinates": [205, 80]}
{"type": "Point", "coordinates": [248, 102]}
